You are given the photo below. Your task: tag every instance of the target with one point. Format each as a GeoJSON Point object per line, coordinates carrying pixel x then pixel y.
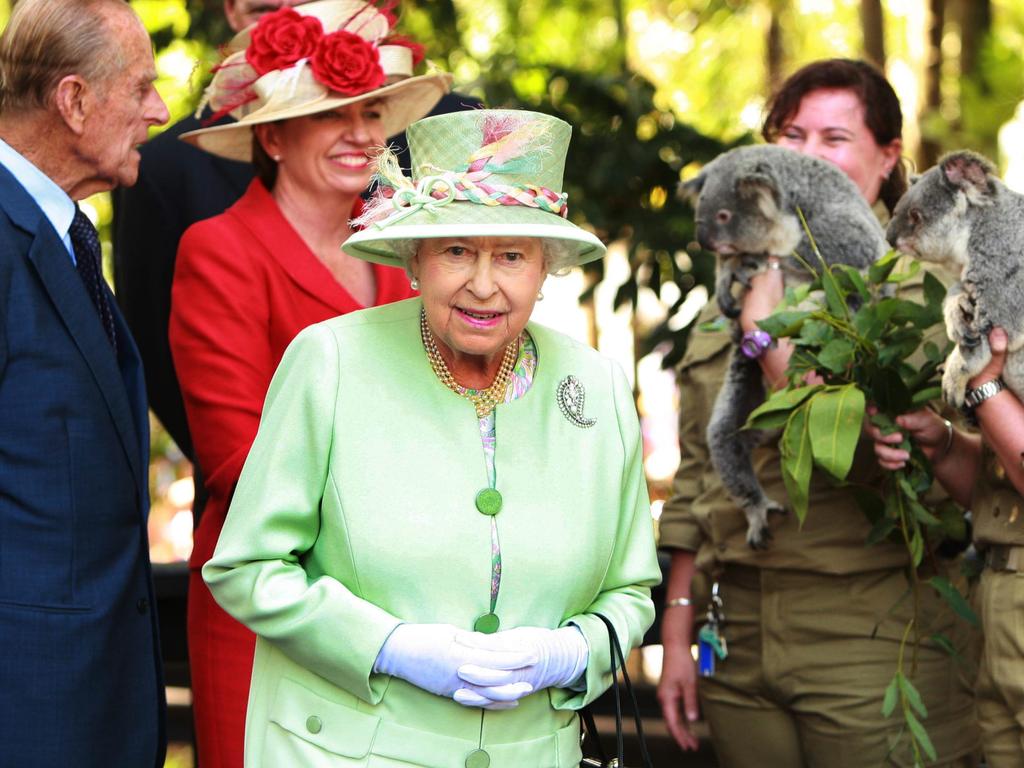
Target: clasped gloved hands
{"type": "Point", "coordinates": [430, 655]}
{"type": "Point", "coordinates": [561, 659]}
{"type": "Point", "coordinates": [478, 670]}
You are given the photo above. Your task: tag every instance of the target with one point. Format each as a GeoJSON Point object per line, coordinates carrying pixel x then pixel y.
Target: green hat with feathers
{"type": "Point", "coordinates": [475, 173]}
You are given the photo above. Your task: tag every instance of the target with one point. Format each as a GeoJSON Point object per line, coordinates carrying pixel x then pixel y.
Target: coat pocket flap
{"type": "Point", "coordinates": [329, 725]}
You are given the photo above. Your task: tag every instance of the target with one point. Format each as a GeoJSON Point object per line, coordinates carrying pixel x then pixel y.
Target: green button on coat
{"type": "Point", "coordinates": [488, 623]}
{"type": "Point", "coordinates": [314, 724]}
{"type": "Point", "coordinates": [488, 502]}
{"type": "Point", "coordinates": [478, 758]}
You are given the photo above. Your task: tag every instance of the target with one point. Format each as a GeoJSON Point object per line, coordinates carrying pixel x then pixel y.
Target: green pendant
{"type": "Point", "coordinates": [488, 623]}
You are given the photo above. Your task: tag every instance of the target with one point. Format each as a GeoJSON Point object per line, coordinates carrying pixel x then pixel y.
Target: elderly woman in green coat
{"type": "Point", "coordinates": [443, 496]}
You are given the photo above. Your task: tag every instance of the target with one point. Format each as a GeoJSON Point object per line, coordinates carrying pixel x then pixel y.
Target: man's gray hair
{"type": "Point", "coordinates": [559, 255]}
{"type": "Point", "coordinates": [47, 40]}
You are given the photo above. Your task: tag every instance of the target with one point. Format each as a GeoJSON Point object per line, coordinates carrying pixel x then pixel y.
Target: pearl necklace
{"type": "Point", "coordinates": [483, 400]}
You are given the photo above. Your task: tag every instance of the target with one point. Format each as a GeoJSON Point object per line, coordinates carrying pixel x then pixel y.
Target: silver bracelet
{"type": "Point", "coordinates": [677, 601]}
{"type": "Point", "coordinates": [949, 440]}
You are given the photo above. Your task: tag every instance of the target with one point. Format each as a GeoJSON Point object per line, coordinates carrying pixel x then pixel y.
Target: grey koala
{"type": "Point", "coordinates": [960, 215]}
{"type": "Point", "coordinates": [746, 210]}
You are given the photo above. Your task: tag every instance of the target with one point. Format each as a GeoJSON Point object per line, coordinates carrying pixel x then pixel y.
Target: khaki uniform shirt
{"type": "Point", "coordinates": [700, 516]}
{"type": "Point", "coordinates": [997, 506]}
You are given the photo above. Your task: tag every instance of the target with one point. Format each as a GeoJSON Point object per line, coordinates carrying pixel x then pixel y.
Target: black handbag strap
{"type": "Point", "coordinates": [618, 662]}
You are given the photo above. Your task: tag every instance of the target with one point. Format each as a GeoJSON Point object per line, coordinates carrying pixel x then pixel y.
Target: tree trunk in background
{"type": "Point", "coordinates": [774, 47]}
{"type": "Point", "coordinates": [932, 80]}
{"type": "Point", "coordinates": [975, 18]}
{"type": "Point", "coordinates": [872, 23]}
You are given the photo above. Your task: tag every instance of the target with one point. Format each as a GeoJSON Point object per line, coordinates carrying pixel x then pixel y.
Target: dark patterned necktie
{"type": "Point", "coordinates": [86, 243]}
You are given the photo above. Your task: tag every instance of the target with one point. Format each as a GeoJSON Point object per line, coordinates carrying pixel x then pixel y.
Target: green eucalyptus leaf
{"type": "Point", "coordinates": [851, 279]}
{"type": "Point", "coordinates": [954, 525]}
{"type": "Point", "coordinates": [932, 352]}
{"type": "Point", "coordinates": [901, 277]}
{"type": "Point", "coordinates": [923, 515]}
{"type": "Point", "coordinates": [911, 694]}
{"type": "Point", "coordinates": [891, 697]}
{"type": "Point", "coordinates": [797, 294]}
{"type": "Point", "coordinates": [815, 333]}
{"type": "Point", "coordinates": [885, 423]}
{"type": "Point", "coordinates": [945, 644]}
{"type": "Point", "coordinates": [879, 272]}
{"type": "Point", "coordinates": [920, 735]}
{"type": "Point", "coordinates": [925, 396]}
{"type": "Point", "coordinates": [868, 323]}
{"type": "Point", "coordinates": [834, 426]}
{"type": "Point", "coordinates": [881, 530]}
{"type": "Point", "coordinates": [835, 299]}
{"type": "Point", "coordinates": [779, 404]}
{"type": "Point", "coordinates": [955, 600]}
{"type": "Point", "coordinates": [934, 290]}
{"type": "Point", "coordinates": [916, 548]}
{"type": "Point", "coordinates": [906, 486]}
{"type": "Point", "coordinates": [785, 323]}
{"type": "Point", "coordinates": [797, 460]}
{"type": "Point", "coordinates": [889, 392]}
{"type": "Point", "coordinates": [837, 355]}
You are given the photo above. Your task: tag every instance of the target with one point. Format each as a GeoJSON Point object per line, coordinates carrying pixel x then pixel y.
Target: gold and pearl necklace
{"type": "Point", "coordinates": [483, 400]}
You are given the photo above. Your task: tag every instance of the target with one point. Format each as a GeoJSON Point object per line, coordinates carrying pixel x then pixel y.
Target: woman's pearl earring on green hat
{"type": "Point", "coordinates": [414, 284]}
{"type": "Point", "coordinates": [540, 295]}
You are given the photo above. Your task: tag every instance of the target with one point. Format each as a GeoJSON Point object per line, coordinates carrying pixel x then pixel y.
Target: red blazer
{"type": "Point", "coordinates": [244, 285]}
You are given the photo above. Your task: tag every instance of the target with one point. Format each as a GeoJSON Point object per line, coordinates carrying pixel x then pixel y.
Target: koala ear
{"type": "Point", "coordinates": [689, 191]}
{"type": "Point", "coordinates": [971, 174]}
{"type": "Point", "coordinates": [761, 189]}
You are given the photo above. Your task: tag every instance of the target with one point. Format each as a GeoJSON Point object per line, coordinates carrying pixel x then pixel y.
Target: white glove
{"type": "Point", "coordinates": [561, 659]}
{"type": "Point", "coordinates": [429, 655]}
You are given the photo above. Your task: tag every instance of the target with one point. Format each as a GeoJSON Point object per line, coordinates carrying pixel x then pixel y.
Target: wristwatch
{"type": "Point", "coordinates": [979, 395]}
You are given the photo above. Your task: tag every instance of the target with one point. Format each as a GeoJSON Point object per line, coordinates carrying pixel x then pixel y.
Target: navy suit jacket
{"type": "Point", "coordinates": [80, 677]}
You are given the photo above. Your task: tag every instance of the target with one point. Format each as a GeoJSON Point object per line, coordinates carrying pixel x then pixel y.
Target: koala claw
{"type": "Point", "coordinates": [954, 385]}
{"type": "Point", "coordinates": [758, 533]}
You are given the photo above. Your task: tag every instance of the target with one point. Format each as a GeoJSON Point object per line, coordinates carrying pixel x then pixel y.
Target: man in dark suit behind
{"type": "Point", "coordinates": [80, 678]}
{"type": "Point", "coordinates": [178, 186]}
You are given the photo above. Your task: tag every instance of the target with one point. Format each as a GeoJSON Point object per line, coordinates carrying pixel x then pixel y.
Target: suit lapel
{"type": "Point", "coordinates": [260, 214]}
{"type": "Point", "coordinates": [61, 282]}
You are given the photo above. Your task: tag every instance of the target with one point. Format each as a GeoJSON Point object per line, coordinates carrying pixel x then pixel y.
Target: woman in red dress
{"type": "Point", "coordinates": [316, 91]}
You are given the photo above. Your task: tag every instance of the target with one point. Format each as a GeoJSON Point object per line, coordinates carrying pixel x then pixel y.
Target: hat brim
{"type": "Point", "coordinates": [463, 219]}
{"type": "Point", "coordinates": [408, 101]}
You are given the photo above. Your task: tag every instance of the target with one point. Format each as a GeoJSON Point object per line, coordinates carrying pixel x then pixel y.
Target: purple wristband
{"type": "Point", "coordinates": [755, 343]}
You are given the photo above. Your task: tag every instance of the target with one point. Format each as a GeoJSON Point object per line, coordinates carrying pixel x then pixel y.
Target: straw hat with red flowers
{"type": "Point", "coordinates": [314, 58]}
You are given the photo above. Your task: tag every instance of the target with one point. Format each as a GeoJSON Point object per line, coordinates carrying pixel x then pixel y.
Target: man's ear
{"type": "Point", "coordinates": [71, 99]}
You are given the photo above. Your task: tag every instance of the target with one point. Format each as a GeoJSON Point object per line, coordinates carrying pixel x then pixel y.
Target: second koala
{"type": "Point", "coordinates": [746, 210]}
{"type": "Point", "coordinates": [960, 215]}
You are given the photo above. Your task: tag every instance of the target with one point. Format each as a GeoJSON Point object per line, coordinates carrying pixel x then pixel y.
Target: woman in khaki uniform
{"type": "Point", "coordinates": [812, 624]}
{"type": "Point", "coordinates": [984, 472]}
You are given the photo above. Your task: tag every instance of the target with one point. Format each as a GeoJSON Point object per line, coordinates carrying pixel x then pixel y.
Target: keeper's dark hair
{"type": "Point", "coordinates": [882, 113]}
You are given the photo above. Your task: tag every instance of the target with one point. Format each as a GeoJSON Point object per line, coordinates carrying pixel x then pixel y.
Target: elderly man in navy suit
{"type": "Point", "coordinates": [80, 679]}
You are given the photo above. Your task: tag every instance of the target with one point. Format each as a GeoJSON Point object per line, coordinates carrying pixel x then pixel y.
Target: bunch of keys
{"type": "Point", "coordinates": [710, 640]}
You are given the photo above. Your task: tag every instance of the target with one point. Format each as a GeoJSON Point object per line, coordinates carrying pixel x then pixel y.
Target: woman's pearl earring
{"type": "Point", "coordinates": [540, 295]}
{"type": "Point", "coordinates": [277, 158]}
{"type": "Point", "coordinates": [414, 284]}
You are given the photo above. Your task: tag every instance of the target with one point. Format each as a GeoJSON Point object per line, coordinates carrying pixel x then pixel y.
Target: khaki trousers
{"type": "Point", "coordinates": [809, 658]}
{"type": "Point", "coordinates": [1000, 686]}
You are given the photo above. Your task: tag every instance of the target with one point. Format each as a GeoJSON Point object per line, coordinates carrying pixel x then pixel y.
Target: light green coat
{"type": "Point", "coordinates": [355, 512]}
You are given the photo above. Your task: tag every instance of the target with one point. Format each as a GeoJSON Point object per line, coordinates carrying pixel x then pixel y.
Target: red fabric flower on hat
{"type": "Point", "coordinates": [346, 63]}
{"type": "Point", "coordinates": [282, 38]}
